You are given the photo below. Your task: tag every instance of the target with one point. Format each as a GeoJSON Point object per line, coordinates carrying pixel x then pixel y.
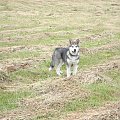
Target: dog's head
{"type": "Point", "coordinates": [74, 46]}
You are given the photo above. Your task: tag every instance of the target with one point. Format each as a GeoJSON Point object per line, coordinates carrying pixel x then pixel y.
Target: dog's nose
{"type": "Point", "coordinates": [74, 50]}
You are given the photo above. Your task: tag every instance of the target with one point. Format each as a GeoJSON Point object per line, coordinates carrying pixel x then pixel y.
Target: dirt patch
{"type": "Point", "coordinates": [94, 75]}
{"type": "Point", "coordinates": [11, 66]}
{"type": "Point", "coordinates": [53, 94]}
{"type": "Point", "coordinates": [16, 64]}
{"type": "Point", "coordinates": [4, 77]}
{"type": "Point", "coordinates": [19, 48]}
{"type": "Point", "coordinates": [59, 91]}
{"type": "Point", "coordinates": [110, 46]}
{"type": "Point", "coordinates": [102, 35]}
{"type": "Point", "coordinates": [48, 48]}
{"type": "Point", "coordinates": [110, 111]}
{"type": "Point", "coordinates": [12, 49]}
{"type": "Point", "coordinates": [52, 98]}
{"type": "Point", "coordinates": [17, 114]}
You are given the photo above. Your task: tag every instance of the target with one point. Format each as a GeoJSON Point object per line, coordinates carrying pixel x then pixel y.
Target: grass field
{"type": "Point", "coordinates": [29, 32]}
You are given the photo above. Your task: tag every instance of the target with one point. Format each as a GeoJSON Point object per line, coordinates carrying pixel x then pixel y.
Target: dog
{"type": "Point", "coordinates": [69, 56]}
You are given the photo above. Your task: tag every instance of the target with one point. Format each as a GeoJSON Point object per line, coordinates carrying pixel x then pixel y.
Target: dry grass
{"type": "Point", "coordinates": [29, 32]}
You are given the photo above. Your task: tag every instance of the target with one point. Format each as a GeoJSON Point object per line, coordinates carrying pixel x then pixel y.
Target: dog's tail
{"type": "Point", "coordinates": [52, 64]}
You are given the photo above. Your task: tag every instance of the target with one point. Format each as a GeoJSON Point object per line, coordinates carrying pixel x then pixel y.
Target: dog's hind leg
{"type": "Point", "coordinates": [58, 71]}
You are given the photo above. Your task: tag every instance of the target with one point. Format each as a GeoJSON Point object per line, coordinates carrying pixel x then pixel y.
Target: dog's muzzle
{"type": "Point", "coordinates": [74, 51]}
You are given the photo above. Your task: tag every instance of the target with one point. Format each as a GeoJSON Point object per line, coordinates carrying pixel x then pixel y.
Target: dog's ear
{"type": "Point", "coordinates": [78, 41]}
{"type": "Point", "coordinates": [70, 41]}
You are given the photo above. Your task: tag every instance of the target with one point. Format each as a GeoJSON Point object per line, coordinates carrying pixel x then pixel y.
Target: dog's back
{"type": "Point", "coordinates": [58, 56]}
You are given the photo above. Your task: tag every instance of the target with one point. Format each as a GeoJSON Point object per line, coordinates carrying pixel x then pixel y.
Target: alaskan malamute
{"type": "Point", "coordinates": [69, 56]}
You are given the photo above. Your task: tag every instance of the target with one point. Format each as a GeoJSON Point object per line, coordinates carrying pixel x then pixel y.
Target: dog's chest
{"type": "Point", "coordinates": [72, 59]}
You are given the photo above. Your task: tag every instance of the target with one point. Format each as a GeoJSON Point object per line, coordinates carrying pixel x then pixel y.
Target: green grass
{"type": "Point", "coordinates": [26, 22]}
{"type": "Point", "coordinates": [115, 75]}
{"type": "Point", "coordinates": [24, 76]}
{"type": "Point", "coordinates": [8, 100]}
{"type": "Point", "coordinates": [4, 6]}
{"type": "Point", "coordinates": [42, 72]}
{"type": "Point", "coordinates": [89, 60]}
{"type": "Point", "coordinates": [7, 44]}
{"type": "Point", "coordinates": [117, 35]}
{"type": "Point", "coordinates": [33, 74]}
{"type": "Point", "coordinates": [44, 41]}
{"type": "Point", "coordinates": [49, 116]}
{"type": "Point", "coordinates": [56, 39]}
{"type": "Point", "coordinates": [20, 54]}
{"type": "Point", "coordinates": [100, 93]}
{"type": "Point", "coordinates": [101, 41]}
{"type": "Point", "coordinates": [96, 43]}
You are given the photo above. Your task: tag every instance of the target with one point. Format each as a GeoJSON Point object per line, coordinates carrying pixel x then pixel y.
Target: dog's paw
{"type": "Point", "coordinates": [61, 72]}
{"type": "Point", "coordinates": [50, 68]}
{"type": "Point", "coordinates": [58, 74]}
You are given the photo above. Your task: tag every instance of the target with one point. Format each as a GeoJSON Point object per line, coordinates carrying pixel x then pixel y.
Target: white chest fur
{"type": "Point", "coordinates": [72, 59]}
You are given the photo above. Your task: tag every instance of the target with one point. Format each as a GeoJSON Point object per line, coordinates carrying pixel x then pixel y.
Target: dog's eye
{"type": "Point", "coordinates": [72, 46]}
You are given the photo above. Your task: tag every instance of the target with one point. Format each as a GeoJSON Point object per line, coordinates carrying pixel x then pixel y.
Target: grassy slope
{"type": "Point", "coordinates": [100, 93]}
{"type": "Point", "coordinates": [26, 22]}
{"type": "Point", "coordinates": [9, 100]}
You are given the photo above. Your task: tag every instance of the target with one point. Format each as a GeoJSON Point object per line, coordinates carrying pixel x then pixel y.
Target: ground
{"type": "Point", "coordinates": [29, 32]}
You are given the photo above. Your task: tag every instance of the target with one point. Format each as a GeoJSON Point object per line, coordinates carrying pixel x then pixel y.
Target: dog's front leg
{"type": "Point", "coordinates": [68, 70]}
{"type": "Point", "coordinates": [75, 67]}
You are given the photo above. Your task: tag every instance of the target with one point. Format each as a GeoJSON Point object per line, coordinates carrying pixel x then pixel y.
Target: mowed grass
{"type": "Point", "coordinates": [38, 41]}
{"type": "Point", "coordinates": [42, 72]}
{"type": "Point", "coordinates": [10, 100]}
{"type": "Point", "coordinates": [115, 75]}
{"type": "Point", "coordinates": [29, 23]}
{"type": "Point", "coordinates": [59, 38]}
{"type": "Point", "coordinates": [100, 93]}
{"type": "Point", "coordinates": [32, 74]}
{"type": "Point", "coordinates": [20, 54]}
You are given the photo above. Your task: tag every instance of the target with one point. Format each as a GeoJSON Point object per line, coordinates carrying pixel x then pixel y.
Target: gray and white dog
{"type": "Point", "coordinates": [69, 56]}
